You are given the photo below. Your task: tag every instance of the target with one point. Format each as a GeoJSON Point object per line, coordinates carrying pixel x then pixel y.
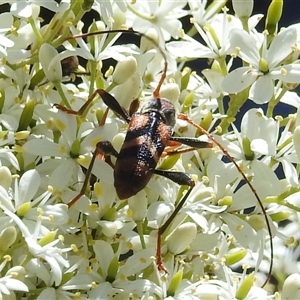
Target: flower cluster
{"type": "Point", "coordinates": [245, 202]}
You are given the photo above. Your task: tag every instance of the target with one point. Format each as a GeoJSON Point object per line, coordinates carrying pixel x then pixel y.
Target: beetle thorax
{"type": "Point", "coordinates": [163, 107]}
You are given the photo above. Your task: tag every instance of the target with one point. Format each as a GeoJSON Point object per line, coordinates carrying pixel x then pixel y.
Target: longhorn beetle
{"type": "Point", "coordinates": [149, 132]}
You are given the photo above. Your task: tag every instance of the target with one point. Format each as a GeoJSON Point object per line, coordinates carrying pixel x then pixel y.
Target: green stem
{"type": "Point", "coordinates": [220, 105]}
{"type": "Point", "coordinates": [64, 100]}
{"type": "Point", "coordinates": [26, 259]}
{"type": "Point", "coordinates": [138, 14]}
{"type": "Point", "coordinates": [35, 30]}
{"type": "Point", "coordinates": [244, 21]}
{"type": "Point", "coordinates": [235, 103]}
{"type": "Point", "coordinates": [274, 101]}
{"type": "Point", "coordinates": [291, 206]}
{"type": "Point", "coordinates": [52, 31]}
{"type": "Point", "coordinates": [140, 230]}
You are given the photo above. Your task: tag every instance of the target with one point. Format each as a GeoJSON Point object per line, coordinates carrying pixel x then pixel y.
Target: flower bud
{"type": "Point", "coordinates": [51, 65]}
{"type": "Point", "coordinates": [257, 222]}
{"type": "Point", "coordinates": [249, 154]}
{"type": "Point", "coordinates": [124, 70]}
{"type": "Point", "coordinates": [232, 258]}
{"type": "Point", "coordinates": [75, 149]}
{"type": "Point", "coordinates": [26, 116]}
{"type": "Point", "coordinates": [296, 140]}
{"type": "Point", "coordinates": [5, 177]}
{"type": "Point", "coordinates": [7, 238]}
{"type": "Point", "coordinates": [118, 141]}
{"type": "Point", "coordinates": [274, 15]}
{"type": "Point", "coordinates": [16, 272]}
{"type": "Point", "coordinates": [170, 91]}
{"type": "Point", "coordinates": [242, 9]}
{"type": "Point", "coordinates": [291, 288]}
{"type": "Point", "coordinates": [169, 161]}
{"type": "Point", "coordinates": [181, 238]}
{"type": "Point", "coordinates": [149, 42]}
{"type": "Point", "coordinates": [118, 17]}
{"type": "Point", "coordinates": [129, 90]}
{"type": "Point", "coordinates": [112, 269]}
{"type": "Point", "coordinates": [47, 238]}
{"type": "Point", "coordinates": [109, 228]}
{"type": "Point", "coordinates": [280, 216]}
{"type": "Point", "coordinates": [23, 209]}
{"type": "Point", "coordinates": [227, 200]}
{"type": "Point", "coordinates": [175, 282]}
{"type": "Point", "coordinates": [245, 287]}
{"type": "Point", "coordinates": [138, 205]}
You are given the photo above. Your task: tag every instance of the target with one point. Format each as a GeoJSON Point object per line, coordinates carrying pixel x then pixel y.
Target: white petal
{"type": "Point", "coordinates": [61, 176]}
{"type": "Point", "coordinates": [265, 181]}
{"type": "Point", "coordinates": [291, 287]}
{"type": "Point", "coordinates": [242, 231]}
{"type": "Point", "coordinates": [290, 172]}
{"type": "Point", "coordinates": [6, 154]}
{"type": "Point", "coordinates": [104, 254]}
{"type": "Point", "coordinates": [266, 129]}
{"type": "Point", "coordinates": [6, 21]}
{"type": "Point", "coordinates": [287, 73]}
{"type": "Point", "coordinates": [291, 98]}
{"type": "Point", "coordinates": [191, 50]}
{"type": "Point", "coordinates": [139, 286]}
{"type": "Point", "coordinates": [10, 122]}
{"type": "Point", "coordinates": [15, 285]}
{"type": "Point", "coordinates": [281, 46]}
{"type": "Point", "coordinates": [43, 272]}
{"type": "Point", "coordinates": [296, 139]}
{"type": "Point", "coordinates": [239, 79]}
{"type": "Point", "coordinates": [48, 293]}
{"type": "Point", "coordinates": [214, 79]}
{"type": "Point", "coordinates": [5, 42]}
{"type": "Point", "coordinates": [55, 268]}
{"type": "Point", "coordinates": [28, 186]}
{"type": "Point", "coordinates": [248, 50]}
{"type": "Point", "coordinates": [21, 9]}
{"type": "Point", "coordinates": [5, 177]}
{"type": "Point", "coordinates": [137, 262]}
{"type": "Point", "coordinates": [262, 90]}
{"type": "Point", "coordinates": [50, 64]}
{"type": "Point", "coordinates": [5, 199]}
{"type": "Point", "coordinates": [157, 213]}
{"type": "Point", "coordinates": [260, 146]}
{"type": "Point", "coordinates": [42, 147]}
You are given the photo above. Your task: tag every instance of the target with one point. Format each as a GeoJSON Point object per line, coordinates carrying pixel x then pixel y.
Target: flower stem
{"type": "Point", "coordinates": [274, 101]}
{"type": "Point", "coordinates": [235, 103]}
{"type": "Point", "coordinates": [64, 100]}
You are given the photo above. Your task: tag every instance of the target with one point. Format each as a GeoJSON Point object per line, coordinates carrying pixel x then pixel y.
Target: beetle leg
{"type": "Point", "coordinates": [178, 177]}
{"type": "Point", "coordinates": [107, 98]}
{"type": "Point", "coordinates": [164, 227]}
{"type": "Point", "coordinates": [104, 150]}
{"type": "Point", "coordinates": [192, 142]}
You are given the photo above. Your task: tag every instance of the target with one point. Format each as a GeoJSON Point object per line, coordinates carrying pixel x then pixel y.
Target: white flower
{"type": "Point", "coordinates": [215, 35]}
{"type": "Point", "coordinates": [25, 9]}
{"type": "Point", "coordinates": [12, 281]}
{"type": "Point", "coordinates": [162, 15]}
{"type": "Point", "coordinates": [106, 9]}
{"type": "Point", "coordinates": [6, 24]}
{"type": "Point", "coordinates": [50, 63]}
{"type": "Point", "coordinates": [265, 64]}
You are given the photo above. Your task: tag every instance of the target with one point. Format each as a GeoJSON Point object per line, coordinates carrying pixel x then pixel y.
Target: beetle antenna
{"type": "Point", "coordinates": [226, 153]}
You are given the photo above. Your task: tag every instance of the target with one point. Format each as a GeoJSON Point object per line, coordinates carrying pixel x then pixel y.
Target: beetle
{"type": "Point", "coordinates": [149, 133]}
